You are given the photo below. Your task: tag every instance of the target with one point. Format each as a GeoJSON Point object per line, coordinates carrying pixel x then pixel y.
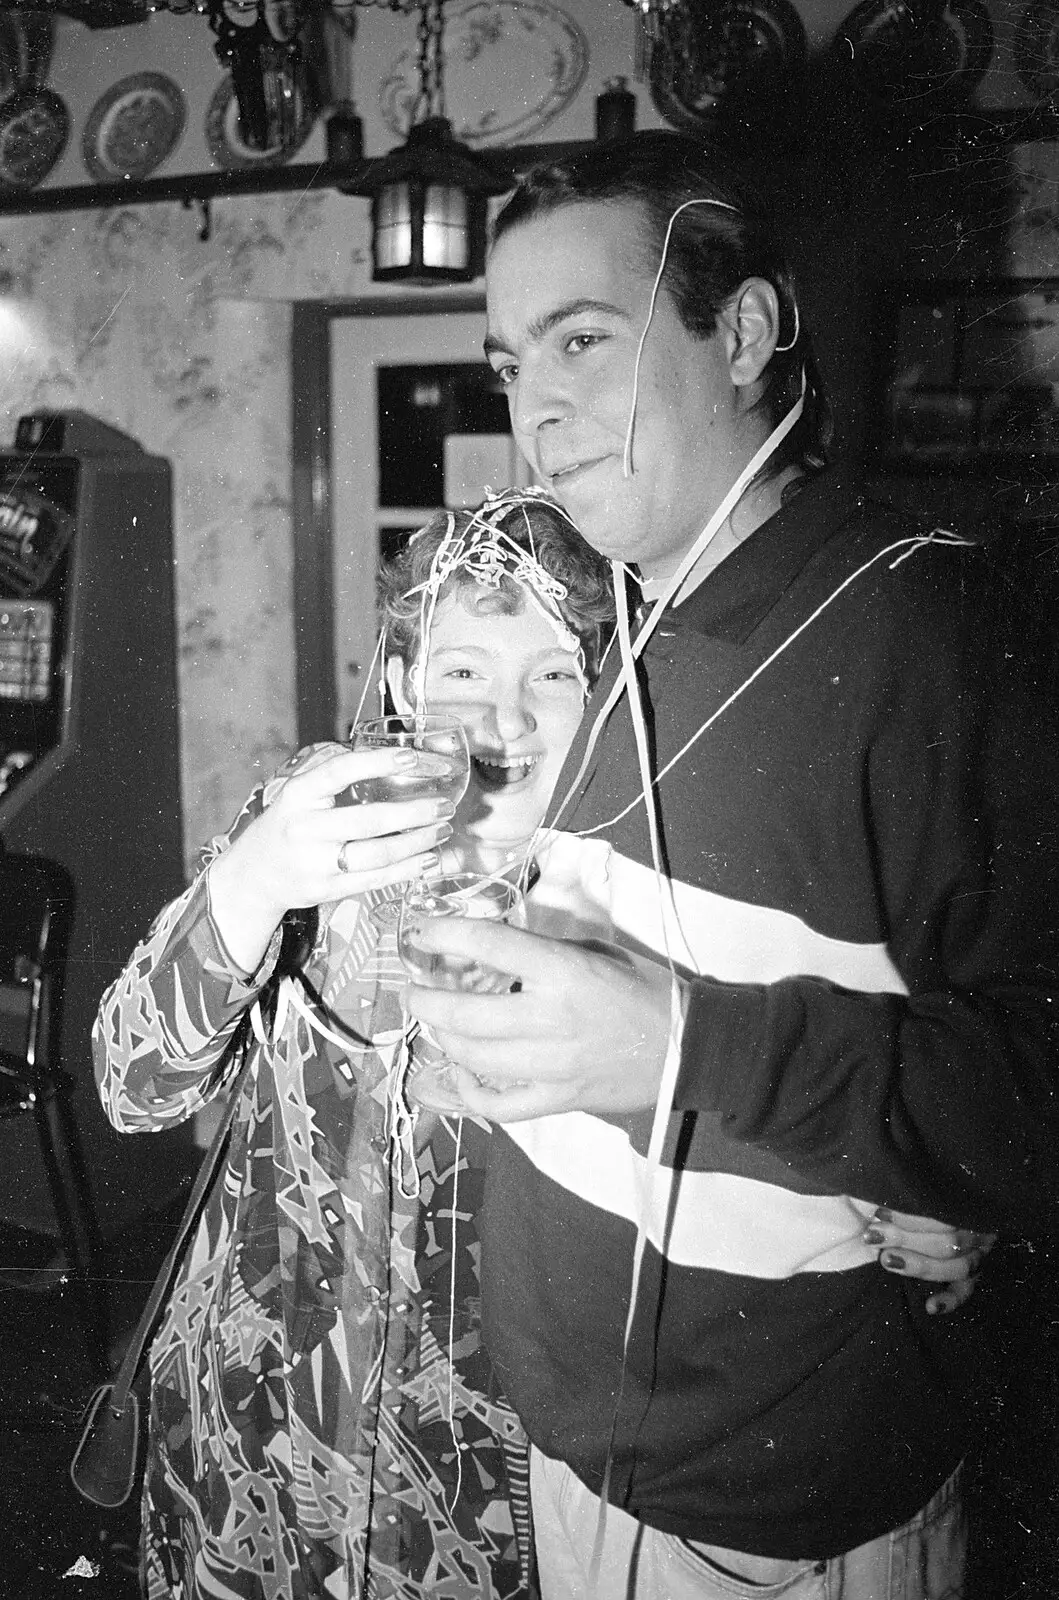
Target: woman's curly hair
{"type": "Point", "coordinates": [532, 524]}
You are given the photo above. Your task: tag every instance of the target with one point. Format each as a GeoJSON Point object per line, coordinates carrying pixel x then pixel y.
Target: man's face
{"type": "Point", "coordinates": [567, 298]}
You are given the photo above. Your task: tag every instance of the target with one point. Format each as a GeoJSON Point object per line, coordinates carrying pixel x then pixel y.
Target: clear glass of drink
{"type": "Point", "coordinates": [478, 896]}
{"type": "Point", "coordinates": [443, 771]}
{"type": "Point", "coordinates": [444, 767]}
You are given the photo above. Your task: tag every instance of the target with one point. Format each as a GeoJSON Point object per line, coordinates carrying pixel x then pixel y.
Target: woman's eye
{"type": "Point", "coordinates": [463, 673]}
{"type": "Point", "coordinates": [506, 374]}
{"type": "Point", "coordinates": [578, 342]}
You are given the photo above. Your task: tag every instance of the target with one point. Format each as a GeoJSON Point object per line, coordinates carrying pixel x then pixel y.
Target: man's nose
{"type": "Point", "coordinates": [538, 397]}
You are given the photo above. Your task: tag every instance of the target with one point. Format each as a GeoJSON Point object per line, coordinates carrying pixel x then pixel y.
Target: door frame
{"type": "Point", "coordinates": [313, 598]}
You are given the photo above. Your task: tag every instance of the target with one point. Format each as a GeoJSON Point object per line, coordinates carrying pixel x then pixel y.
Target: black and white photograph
{"type": "Point", "coordinates": [529, 776]}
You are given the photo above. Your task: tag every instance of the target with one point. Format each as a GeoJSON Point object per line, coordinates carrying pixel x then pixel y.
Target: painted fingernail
{"type": "Point", "coordinates": [883, 1214]}
{"type": "Point", "coordinates": [890, 1258]}
{"type": "Point", "coordinates": [444, 808]}
{"type": "Point", "coordinates": [442, 832]}
{"type": "Point", "coordinates": [873, 1236]}
{"type": "Point", "coordinates": [430, 863]}
{"type": "Point", "coordinates": [405, 758]}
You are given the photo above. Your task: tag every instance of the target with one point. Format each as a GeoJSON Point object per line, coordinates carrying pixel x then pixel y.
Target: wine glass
{"type": "Point", "coordinates": [443, 771]}
{"type": "Point", "coordinates": [483, 897]}
{"type": "Point", "coordinates": [444, 766]}
{"type": "Point", "coordinates": [479, 896]}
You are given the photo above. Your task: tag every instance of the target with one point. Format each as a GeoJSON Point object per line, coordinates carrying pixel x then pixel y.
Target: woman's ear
{"type": "Point", "coordinates": [751, 318]}
{"type": "Point", "coordinates": [396, 678]}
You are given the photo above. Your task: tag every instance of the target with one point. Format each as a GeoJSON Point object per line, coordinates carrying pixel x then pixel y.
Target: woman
{"type": "Point", "coordinates": [323, 1419]}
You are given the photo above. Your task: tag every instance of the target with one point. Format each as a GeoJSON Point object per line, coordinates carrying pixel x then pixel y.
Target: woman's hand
{"type": "Point", "coordinates": [305, 849]}
{"type": "Point", "coordinates": [918, 1247]}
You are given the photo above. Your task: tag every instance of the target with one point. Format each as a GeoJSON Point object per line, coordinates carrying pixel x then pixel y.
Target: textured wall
{"type": "Point", "coordinates": [185, 345]}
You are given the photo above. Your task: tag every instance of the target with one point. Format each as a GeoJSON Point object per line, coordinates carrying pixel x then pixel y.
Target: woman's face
{"type": "Point", "coordinates": [517, 692]}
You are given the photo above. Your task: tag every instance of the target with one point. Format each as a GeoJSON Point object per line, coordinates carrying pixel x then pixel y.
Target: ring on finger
{"type": "Point", "coordinates": [342, 867]}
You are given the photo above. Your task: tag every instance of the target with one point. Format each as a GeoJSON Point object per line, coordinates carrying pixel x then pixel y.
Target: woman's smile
{"type": "Point", "coordinates": [503, 772]}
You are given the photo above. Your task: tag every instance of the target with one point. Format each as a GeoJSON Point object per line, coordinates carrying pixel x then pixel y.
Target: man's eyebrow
{"type": "Point", "coordinates": [536, 330]}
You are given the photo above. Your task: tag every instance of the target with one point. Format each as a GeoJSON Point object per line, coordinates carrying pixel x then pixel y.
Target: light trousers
{"type": "Point", "coordinates": [923, 1560]}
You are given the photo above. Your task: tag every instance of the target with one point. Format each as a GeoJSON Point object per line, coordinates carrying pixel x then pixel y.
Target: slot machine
{"type": "Point", "coordinates": [89, 757]}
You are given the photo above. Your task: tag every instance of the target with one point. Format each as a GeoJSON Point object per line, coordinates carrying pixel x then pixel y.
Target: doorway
{"type": "Point", "coordinates": [395, 412]}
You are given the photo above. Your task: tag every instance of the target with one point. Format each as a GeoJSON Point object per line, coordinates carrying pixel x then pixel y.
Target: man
{"type": "Point", "coordinates": [799, 805]}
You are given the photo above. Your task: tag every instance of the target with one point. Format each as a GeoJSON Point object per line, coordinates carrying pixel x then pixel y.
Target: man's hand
{"type": "Point", "coordinates": [586, 1030]}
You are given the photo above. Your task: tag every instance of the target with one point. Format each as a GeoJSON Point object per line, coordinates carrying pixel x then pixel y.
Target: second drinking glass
{"type": "Point", "coordinates": [478, 896]}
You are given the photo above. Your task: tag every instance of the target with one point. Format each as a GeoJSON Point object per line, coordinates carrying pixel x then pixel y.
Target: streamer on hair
{"type": "Point", "coordinates": [721, 205]}
{"type": "Point", "coordinates": [487, 554]}
{"type": "Point", "coordinates": [780, 349]}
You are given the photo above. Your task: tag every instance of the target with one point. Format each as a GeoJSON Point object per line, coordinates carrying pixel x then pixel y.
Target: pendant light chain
{"type": "Point", "coordinates": [429, 196]}
{"type": "Point", "coordinates": [430, 100]}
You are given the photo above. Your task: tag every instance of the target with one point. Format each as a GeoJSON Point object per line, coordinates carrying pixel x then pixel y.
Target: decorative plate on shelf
{"type": "Point", "coordinates": [133, 127]}
{"type": "Point", "coordinates": [511, 66]}
{"type": "Point", "coordinates": [709, 54]}
{"type": "Point", "coordinates": [899, 55]}
{"type": "Point", "coordinates": [34, 128]}
{"type": "Point", "coordinates": [225, 143]}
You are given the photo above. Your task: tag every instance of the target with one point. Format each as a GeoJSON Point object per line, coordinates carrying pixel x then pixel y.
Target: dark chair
{"type": "Point", "coordinates": [36, 900]}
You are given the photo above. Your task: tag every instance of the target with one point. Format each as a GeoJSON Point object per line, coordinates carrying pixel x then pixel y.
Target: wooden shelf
{"type": "Point", "coordinates": [972, 130]}
{"type": "Point", "coordinates": [201, 186]}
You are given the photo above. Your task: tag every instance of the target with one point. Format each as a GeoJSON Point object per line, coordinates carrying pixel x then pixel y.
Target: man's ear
{"type": "Point", "coordinates": [751, 320]}
{"type": "Point", "coordinates": [396, 679]}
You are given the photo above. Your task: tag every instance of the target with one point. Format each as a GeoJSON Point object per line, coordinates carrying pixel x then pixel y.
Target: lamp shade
{"type": "Point", "coordinates": [428, 207]}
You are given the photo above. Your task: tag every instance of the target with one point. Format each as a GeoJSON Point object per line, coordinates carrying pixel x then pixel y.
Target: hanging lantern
{"type": "Point", "coordinates": [428, 208]}
{"type": "Point", "coordinates": [428, 197]}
